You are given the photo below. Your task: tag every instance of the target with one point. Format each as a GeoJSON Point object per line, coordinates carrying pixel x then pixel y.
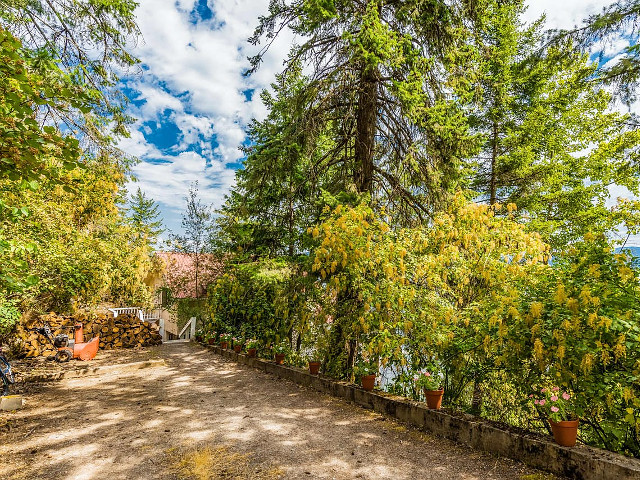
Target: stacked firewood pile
{"type": "Point", "coordinates": [124, 331]}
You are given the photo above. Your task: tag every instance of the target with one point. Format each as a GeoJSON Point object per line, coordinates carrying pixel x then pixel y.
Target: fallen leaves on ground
{"type": "Point", "coordinates": [217, 463]}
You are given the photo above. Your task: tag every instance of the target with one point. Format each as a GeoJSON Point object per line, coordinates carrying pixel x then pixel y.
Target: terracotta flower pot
{"type": "Point", "coordinates": [211, 341]}
{"type": "Point", "coordinates": [280, 358]}
{"type": "Point", "coordinates": [224, 345]}
{"type": "Point", "coordinates": [237, 348]}
{"type": "Point", "coordinates": [565, 433]}
{"type": "Point", "coordinates": [434, 398]}
{"type": "Point", "coordinates": [368, 382]}
{"type": "Point", "coordinates": [199, 338]}
{"type": "Point", "coordinates": [251, 352]}
{"type": "Point", "coordinates": [314, 368]}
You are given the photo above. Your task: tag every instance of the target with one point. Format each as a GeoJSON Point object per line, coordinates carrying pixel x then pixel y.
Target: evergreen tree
{"type": "Point", "coordinates": [144, 217]}
{"type": "Point", "coordinates": [279, 191]}
{"type": "Point", "coordinates": [551, 143]}
{"type": "Point", "coordinates": [378, 95]}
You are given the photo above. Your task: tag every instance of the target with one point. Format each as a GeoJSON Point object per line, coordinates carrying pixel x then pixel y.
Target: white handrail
{"type": "Point", "coordinates": [137, 311]}
{"type": "Point", "coordinates": [133, 310]}
{"type": "Point", "coordinates": [192, 332]}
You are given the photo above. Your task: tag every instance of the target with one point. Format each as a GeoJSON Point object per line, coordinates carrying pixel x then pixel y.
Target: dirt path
{"type": "Point", "coordinates": [202, 417]}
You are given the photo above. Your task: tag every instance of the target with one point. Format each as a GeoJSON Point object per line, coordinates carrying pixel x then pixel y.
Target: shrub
{"type": "Point", "coordinates": [583, 333]}
{"type": "Point", "coordinates": [473, 296]}
{"type": "Point", "coordinates": [9, 318]}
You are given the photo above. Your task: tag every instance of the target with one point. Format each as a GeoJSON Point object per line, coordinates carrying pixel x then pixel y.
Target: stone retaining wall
{"type": "Point", "coordinates": [538, 451]}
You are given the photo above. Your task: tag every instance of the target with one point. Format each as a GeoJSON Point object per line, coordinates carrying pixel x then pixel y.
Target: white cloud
{"type": "Point", "coordinates": [563, 13]}
{"type": "Point", "coordinates": [610, 47]}
{"type": "Point", "coordinates": [156, 101]}
{"type": "Point", "coordinates": [136, 145]}
{"type": "Point", "coordinates": [193, 78]}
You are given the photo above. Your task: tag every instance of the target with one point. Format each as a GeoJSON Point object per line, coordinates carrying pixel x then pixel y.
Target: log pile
{"type": "Point", "coordinates": [124, 331]}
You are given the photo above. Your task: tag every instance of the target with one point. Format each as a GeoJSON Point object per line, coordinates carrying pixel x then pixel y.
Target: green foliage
{"type": "Point", "coordinates": [63, 240]}
{"type": "Point", "coordinates": [77, 243]}
{"type": "Point", "coordinates": [583, 322]}
{"type": "Point", "coordinates": [30, 154]}
{"type": "Point", "coordinates": [185, 308]}
{"type": "Point", "coordinates": [245, 301]}
{"type": "Point", "coordinates": [554, 404]}
{"type": "Point", "coordinates": [9, 317]}
{"type": "Point", "coordinates": [88, 43]}
{"type": "Point", "coordinates": [615, 20]}
{"type": "Point", "coordinates": [196, 241]}
{"type": "Point", "coordinates": [551, 142]}
{"type": "Point", "coordinates": [428, 380]}
{"type": "Point", "coordinates": [270, 207]}
{"type": "Point", "coordinates": [282, 347]}
{"type": "Point", "coordinates": [384, 282]}
{"type": "Point", "coordinates": [364, 368]}
{"type": "Point", "coordinates": [144, 217]}
{"type": "Point", "coordinates": [377, 115]}
{"type": "Point", "coordinates": [472, 299]}
{"type": "Point", "coordinates": [464, 97]}
{"type": "Point", "coordinates": [407, 104]}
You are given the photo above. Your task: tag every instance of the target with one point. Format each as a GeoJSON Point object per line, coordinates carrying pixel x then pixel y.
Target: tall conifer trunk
{"type": "Point", "coordinates": [494, 166]}
{"type": "Point", "coordinates": [366, 120]}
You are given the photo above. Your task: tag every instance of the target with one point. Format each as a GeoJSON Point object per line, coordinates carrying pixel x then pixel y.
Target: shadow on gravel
{"type": "Point", "coordinates": [130, 426]}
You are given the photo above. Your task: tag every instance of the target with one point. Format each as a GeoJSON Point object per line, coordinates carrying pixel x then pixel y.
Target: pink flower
{"type": "Point", "coordinates": [554, 409]}
{"type": "Point", "coordinates": [531, 396]}
{"type": "Point", "coordinates": [427, 374]}
{"type": "Point", "coordinates": [542, 402]}
{"type": "Point", "coordinates": [537, 402]}
{"type": "Point", "coordinates": [566, 396]}
{"type": "Point", "coordinates": [555, 389]}
{"type": "Point", "coordinates": [554, 398]}
{"type": "Point", "coordinates": [543, 390]}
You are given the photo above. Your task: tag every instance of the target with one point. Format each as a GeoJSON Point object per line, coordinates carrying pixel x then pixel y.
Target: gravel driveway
{"type": "Point", "coordinates": [202, 417]}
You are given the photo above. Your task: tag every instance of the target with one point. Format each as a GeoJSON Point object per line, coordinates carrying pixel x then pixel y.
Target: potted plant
{"type": "Point", "coordinates": [251, 346]}
{"type": "Point", "coordinates": [430, 381]}
{"type": "Point", "coordinates": [237, 344]}
{"type": "Point", "coordinates": [200, 336]}
{"type": "Point", "coordinates": [211, 338]}
{"type": "Point", "coordinates": [280, 351]}
{"type": "Point", "coordinates": [314, 367]}
{"type": "Point", "coordinates": [367, 371]}
{"type": "Point", "coordinates": [225, 338]}
{"type": "Point", "coordinates": [555, 405]}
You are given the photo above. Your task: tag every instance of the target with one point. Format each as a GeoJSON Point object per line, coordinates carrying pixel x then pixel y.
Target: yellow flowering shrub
{"type": "Point", "coordinates": [585, 337]}
{"type": "Point", "coordinates": [473, 295]}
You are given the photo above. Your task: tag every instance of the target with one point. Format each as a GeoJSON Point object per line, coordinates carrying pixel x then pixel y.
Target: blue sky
{"type": "Point", "coordinates": [193, 103]}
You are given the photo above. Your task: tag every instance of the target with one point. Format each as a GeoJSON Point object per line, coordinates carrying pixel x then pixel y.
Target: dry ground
{"type": "Point", "coordinates": [202, 417]}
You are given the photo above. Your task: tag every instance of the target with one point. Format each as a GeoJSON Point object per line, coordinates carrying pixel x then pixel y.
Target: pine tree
{"type": "Point", "coordinates": [144, 217]}
{"type": "Point", "coordinates": [278, 192]}
{"type": "Point", "coordinates": [379, 95]}
{"type": "Point", "coordinates": [551, 142]}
